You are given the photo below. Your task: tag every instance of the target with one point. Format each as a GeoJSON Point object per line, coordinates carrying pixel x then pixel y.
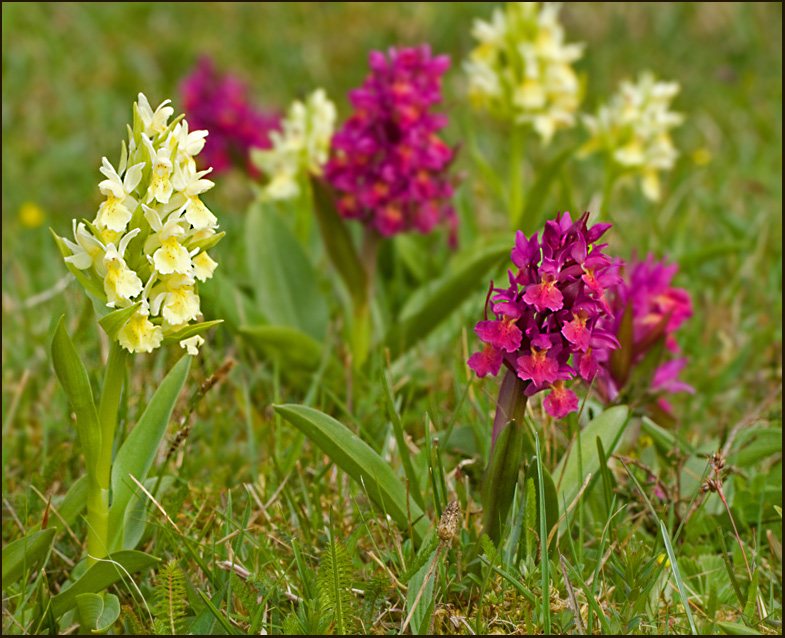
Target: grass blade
{"type": "Point", "coordinates": [360, 461]}
{"type": "Point", "coordinates": [675, 569]}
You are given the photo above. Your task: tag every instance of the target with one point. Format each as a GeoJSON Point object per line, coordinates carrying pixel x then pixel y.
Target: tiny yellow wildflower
{"type": "Point", "coordinates": [31, 215]}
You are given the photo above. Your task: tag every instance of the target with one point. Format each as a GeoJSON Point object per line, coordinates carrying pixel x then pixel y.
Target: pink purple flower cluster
{"type": "Point", "coordinates": [658, 310]}
{"type": "Point", "coordinates": [389, 166]}
{"type": "Point", "coordinates": [220, 104]}
{"type": "Point", "coordinates": [548, 328]}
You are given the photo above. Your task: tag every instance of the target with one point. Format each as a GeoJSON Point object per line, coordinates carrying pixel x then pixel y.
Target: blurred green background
{"type": "Point", "coordinates": [72, 70]}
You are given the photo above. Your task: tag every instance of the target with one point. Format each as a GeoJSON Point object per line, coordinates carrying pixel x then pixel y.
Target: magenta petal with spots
{"type": "Point", "coordinates": [503, 334]}
{"type": "Point", "coordinates": [489, 361]}
{"type": "Point", "coordinates": [544, 296]}
{"type": "Point", "coordinates": [561, 401]}
{"type": "Point", "coordinates": [538, 367]}
{"type": "Point", "coordinates": [577, 333]}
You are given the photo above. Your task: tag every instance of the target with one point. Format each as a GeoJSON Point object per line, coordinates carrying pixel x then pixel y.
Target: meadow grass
{"type": "Point", "coordinates": [265, 532]}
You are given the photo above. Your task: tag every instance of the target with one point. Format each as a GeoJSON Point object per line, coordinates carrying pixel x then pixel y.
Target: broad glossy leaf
{"type": "Point", "coordinates": [26, 553]}
{"type": "Point", "coordinates": [338, 242]}
{"type": "Point", "coordinates": [140, 447]}
{"type": "Point", "coordinates": [97, 613]}
{"type": "Point", "coordinates": [608, 426]}
{"type": "Point", "coordinates": [360, 461]}
{"type": "Point", "coordinates": [284, 279]}
{"type": "Point", "coordinates": [433, 303]}
{"type": "Point", "coordinates": [73, 377]}
{"type": "Point", "coordinates": [102, 575]}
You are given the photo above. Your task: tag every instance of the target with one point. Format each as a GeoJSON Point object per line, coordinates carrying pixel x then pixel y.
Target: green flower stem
{"type": "Point", "coordinates": [361, 332]}
{"type": "Point", "coordinates": [516, 173]}
{"type": "Point", "coordinates": [98, 485]}
{"type": "Point", "coordinates": [360, 339]}
{"type": "Point", "coordinates": [609, 181]}
{"type": "Point", "coordinates": [97, 521]}
{"type": "Point", "coordinates": [108, 408]}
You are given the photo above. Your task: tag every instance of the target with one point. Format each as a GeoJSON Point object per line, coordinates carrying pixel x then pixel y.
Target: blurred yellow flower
{"type": "Point", "coordinates": [31, 215]}
{"type": "Point", "coordinates": [521, 69]}
{"type": "Point", "coordinates": [701, 156]}
{"type": "Point", "coordinates": [302, 147]}
{"type": "Point", "coordinates": [633, 130]}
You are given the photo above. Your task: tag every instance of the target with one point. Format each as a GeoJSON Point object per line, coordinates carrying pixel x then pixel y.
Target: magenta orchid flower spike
{"type": "Point", "coordinates": [389, 166]}
{"type": "Point", "coordinates": [548, 327]}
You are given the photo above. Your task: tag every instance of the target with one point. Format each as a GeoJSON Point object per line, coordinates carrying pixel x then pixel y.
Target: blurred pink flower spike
{"type": "Point", "coordinates": [389, 167]}
{"type": "Point", "coordinates": [221, 105]}
{"type": "Point", "coordinates": [647, 311]}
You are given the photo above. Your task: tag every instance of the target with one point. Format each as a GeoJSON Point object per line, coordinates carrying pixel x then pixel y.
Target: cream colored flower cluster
{"type": "Point", "coordinates": [147, 246]}
{"type": "Point", "coordinates": [522, 69]}
{"type": "Point", "coordinates": [633, 129]}
{"type": "Point", "coordinates": [300, 149]}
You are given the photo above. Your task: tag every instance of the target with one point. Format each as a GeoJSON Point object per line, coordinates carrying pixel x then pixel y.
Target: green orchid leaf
{"type": "Point", "coordinates": [136, 518]}
{"type": "Point", "coordinates": [26, 553]}
{"type": "Point", "coordinates": [534, 211]}
{"type": "Point", "coordinates": [205, 243]}
{"type": "Point", "coordinates": [737, 629]}
{"type": "Point", "coordinates": [105, 573]}
{"type": "Point", "coordinates": [115, 320]}
{"type": "Point", "coordinates": [361, 462]}
{"type": "Point", "coordinates": [433, 303]}
{"type": "Point", "coordinates": [338, 242]}
{"type": "Point", "coordinates": [73, 504]}
{"type": "Point", "coordinates": [410, 250]}
{"type": "Point", "coordinates": [608, 427]}
{"type": "Point", "coordinates": [285, 283]}
{"type": "Point", "coordinates": [137, 453]}
{"type": "Point", "coordinates": [73, 377]}
{"type": "Point", "coordinates": [96, 613]}
{"type": "Point", "coordinates": [224, 299]}
{"type": "Point", "coordinates": [299, 354]}
{"type": "Point", "coordinates": [190, 331]}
